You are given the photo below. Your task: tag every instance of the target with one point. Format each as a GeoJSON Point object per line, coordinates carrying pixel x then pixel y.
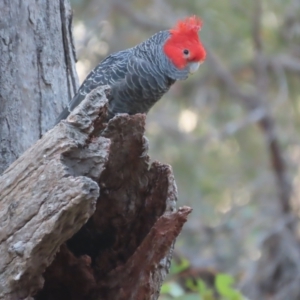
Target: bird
{"type": "Point", "coordinates": [139, 76]}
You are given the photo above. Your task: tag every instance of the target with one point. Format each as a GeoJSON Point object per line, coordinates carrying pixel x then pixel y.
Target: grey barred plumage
{"type": "Point", "coordinates": [138, 77]}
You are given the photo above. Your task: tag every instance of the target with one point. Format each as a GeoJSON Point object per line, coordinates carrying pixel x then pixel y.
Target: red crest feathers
{"type": "Point", "coordinates": [184, 45]}
{"type": "Point", "coordinates": [190, 24]}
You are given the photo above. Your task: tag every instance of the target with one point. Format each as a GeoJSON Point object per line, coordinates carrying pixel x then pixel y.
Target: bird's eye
{"type": "Point", "coordinates": [186, 52]}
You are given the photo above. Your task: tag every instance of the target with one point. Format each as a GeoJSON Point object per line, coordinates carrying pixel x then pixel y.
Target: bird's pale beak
{"type": "Point", "coordinates": [193, 67]}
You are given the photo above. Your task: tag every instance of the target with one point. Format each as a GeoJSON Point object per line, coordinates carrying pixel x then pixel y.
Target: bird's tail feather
{"type": "Point", "coordinates": [63, 115]}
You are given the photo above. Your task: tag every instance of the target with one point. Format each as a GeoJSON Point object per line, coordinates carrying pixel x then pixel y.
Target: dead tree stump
{"type": "Point", "coordinates": [84, 214]}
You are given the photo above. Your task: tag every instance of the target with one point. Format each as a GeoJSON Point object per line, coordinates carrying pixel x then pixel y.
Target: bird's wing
{"type": "Point", "coordinates": [111, 70]}
{"type": "Point", "coordinates": [136, 92]}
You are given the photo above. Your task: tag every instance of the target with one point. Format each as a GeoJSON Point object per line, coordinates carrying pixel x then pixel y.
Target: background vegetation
{"type": "Point", "coordinates": [230, 133]}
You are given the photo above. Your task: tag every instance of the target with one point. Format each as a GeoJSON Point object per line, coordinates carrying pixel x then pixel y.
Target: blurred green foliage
{"type": "Point", "coordinates": [196, 288]}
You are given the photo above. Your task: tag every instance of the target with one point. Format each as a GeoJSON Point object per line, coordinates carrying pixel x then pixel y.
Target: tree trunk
{"type": "Point", "coordinates": [37, 71]}
{"type": "Point", "coordinates": [83, 213]}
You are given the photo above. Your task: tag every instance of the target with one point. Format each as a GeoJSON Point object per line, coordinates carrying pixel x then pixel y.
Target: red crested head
{"type": "Point", "coordinates": [184, 46]}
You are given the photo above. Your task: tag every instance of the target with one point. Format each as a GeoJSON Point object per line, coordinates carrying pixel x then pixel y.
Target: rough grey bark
{"type": "Point", "coordinates": [124, 250]}
{"type": "Point", "coordinates": [37, 71]}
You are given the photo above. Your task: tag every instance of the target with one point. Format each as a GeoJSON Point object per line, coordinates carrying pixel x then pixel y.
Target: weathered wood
{"type": "Point", "coordinates": [37, 71]}
{"type": "Point", "coordinates": [124, 250]}
{"type": "Point", "coordinates": [142, 275]}
{"type": "Point", "coordinates": [43, 202]}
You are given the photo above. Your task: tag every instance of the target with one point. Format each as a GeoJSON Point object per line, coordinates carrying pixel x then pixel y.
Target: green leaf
{"type": "Point", "coordinates": [172, 288]}
{"type": "Point", "coordinates": [200, 287]}
{"type": "Point", "coordinates": [224, 284]}
{"type": "Point", "coordinates": [179, 267]}
{"type": "Point", "coordinates": [189, 297]}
